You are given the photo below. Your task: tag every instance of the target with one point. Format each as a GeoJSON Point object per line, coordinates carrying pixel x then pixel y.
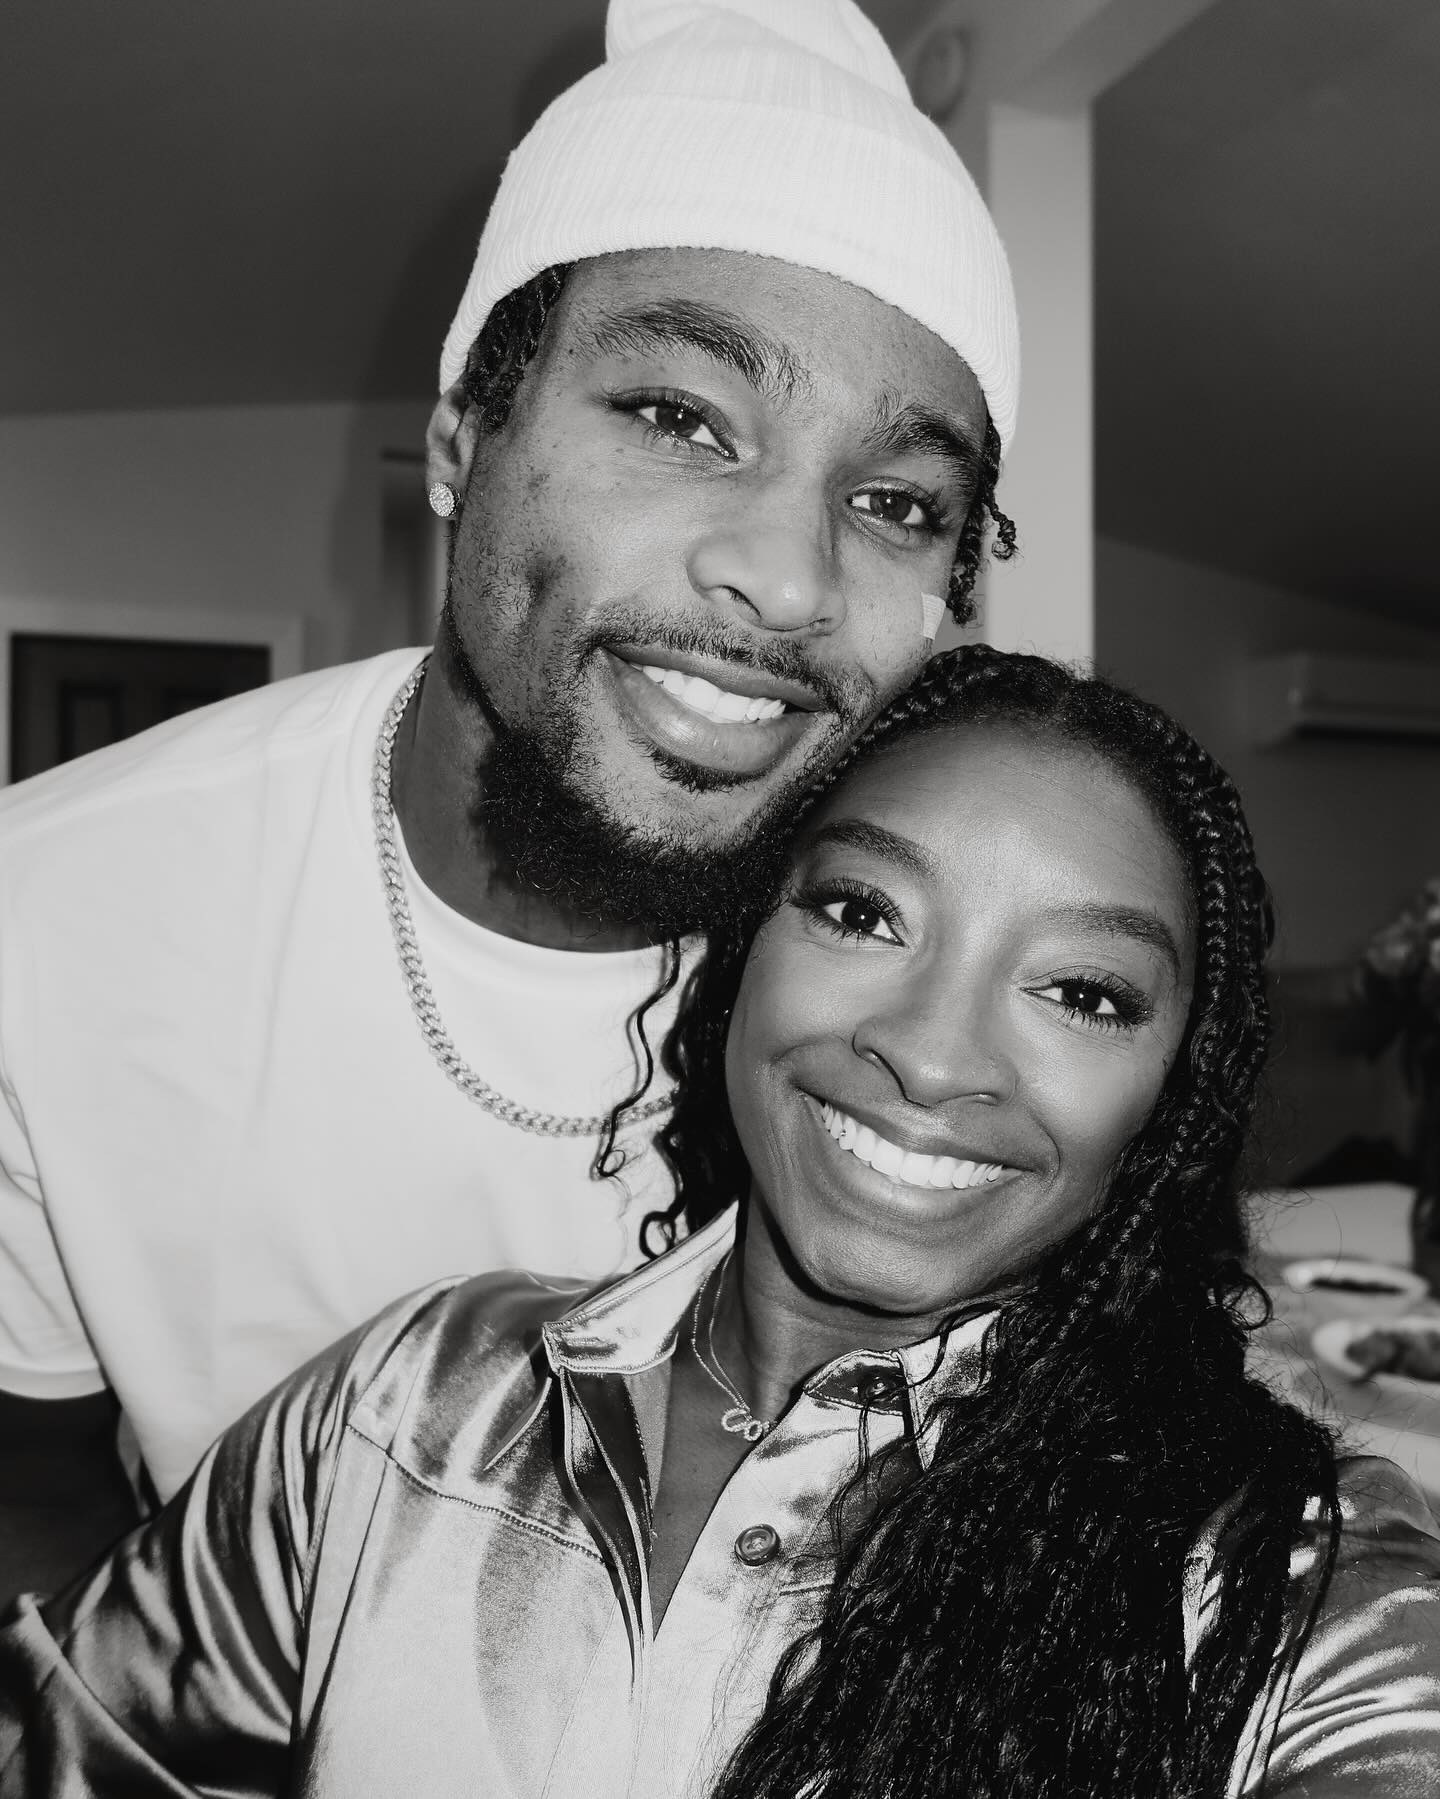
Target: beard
{"type": "Point", "coordinates": [536, 808]}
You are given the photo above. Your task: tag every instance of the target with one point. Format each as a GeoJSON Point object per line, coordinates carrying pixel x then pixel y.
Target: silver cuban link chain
{"type": "Point", "coordinates": [417, 983]}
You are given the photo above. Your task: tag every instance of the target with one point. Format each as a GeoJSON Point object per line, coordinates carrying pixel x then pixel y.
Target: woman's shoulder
{"type": "Point", "coordinates": [1359, 1712]}
{"type": "Point", "coordinates": [469, 1349]}
{"type": "Point", "coordinates": [1374, 1491]}
{"type": "Point", "coordinates": [1388, 1539]}
{"type": "Point", "coordinates": [1389, 1536]}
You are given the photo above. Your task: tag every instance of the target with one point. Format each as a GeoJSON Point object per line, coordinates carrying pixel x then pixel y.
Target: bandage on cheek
{"type": "Point", "coordinates": [932, 610]}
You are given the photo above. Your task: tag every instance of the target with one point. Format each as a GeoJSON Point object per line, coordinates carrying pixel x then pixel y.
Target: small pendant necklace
{"type": "Point", "coordinates": [738, 1419]}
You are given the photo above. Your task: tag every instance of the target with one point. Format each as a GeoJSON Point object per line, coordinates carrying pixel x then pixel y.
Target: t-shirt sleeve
{"type": "Point", "coordinates": [44, 1350]}
{"type": "Point", "coordinates": [174, 1667]}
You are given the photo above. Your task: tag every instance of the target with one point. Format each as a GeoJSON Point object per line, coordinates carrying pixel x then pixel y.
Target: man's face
{"type": "Point", "coordinates": [689, 567]}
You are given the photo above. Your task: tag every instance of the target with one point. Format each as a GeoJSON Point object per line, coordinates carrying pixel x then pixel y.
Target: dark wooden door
{"type": "Point", "coordinates": [70, 695]}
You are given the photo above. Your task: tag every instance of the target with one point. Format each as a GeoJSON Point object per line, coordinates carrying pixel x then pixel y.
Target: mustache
{"type": "Point", "coordinates": [851, 695]}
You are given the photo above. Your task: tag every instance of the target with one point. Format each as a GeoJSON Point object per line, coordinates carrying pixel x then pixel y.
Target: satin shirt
{"type": "Point", "coordinates": [420, 1568]}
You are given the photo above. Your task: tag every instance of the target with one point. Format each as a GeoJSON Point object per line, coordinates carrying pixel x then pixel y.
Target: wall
{"type": "Point", "coordinates": [1344, 831]}
{"type": "Point", "coordinates": [266, 509]}
{"type": "Point", "coordinates": [1053, 56]}
{"type": "Point", "coordinates": [1023, 128]}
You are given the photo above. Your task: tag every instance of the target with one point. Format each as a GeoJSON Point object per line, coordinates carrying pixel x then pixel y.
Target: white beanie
{"type": "Point", "coordinates": [779, 127]}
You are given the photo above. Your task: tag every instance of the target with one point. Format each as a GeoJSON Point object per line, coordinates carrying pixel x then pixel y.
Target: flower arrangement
{"type": "Point", "coordinates": [1397, 988]}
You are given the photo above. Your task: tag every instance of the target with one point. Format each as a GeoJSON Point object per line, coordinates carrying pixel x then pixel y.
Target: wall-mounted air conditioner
{"type": "Point", "coordinates": [1316, 693]}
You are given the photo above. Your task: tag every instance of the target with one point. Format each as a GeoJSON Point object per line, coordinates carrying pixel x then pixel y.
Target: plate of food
{"type": "Point", "coordinates": [1346, 1287]}
{"type": "Point", "coordinates": [1395, 1352]}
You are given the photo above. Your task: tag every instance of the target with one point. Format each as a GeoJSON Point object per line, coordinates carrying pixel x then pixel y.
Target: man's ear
{"type": "Point", "coordinates": [450, 440]}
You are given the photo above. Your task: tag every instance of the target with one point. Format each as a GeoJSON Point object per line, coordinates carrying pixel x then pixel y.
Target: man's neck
{"type": "Point", "coordinates": [443, 740]}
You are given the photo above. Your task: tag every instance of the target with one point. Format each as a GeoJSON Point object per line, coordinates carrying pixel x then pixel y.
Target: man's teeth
{"type": "Point", "coordinates": [714, 702]}
{"type": "Point", "coordinates": [905, 1164]}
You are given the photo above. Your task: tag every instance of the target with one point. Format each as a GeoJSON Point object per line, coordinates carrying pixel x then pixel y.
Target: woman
{"type": "Point", "coordinates": [945, 1477]}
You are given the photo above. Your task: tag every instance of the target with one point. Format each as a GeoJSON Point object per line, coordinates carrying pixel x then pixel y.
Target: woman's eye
{"type": "Point", "coordinates": [892, 506]}
{"type": "Point", "coordinates": [1089, 999]}
{"type": "Point", "coordinates": [672, 419]}
{"type": "Point", "coordinates": [859, 918]}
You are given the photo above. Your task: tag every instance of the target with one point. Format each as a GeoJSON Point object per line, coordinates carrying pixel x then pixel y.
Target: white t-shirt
{"type": "Point", "coordinates": [223, 1140]}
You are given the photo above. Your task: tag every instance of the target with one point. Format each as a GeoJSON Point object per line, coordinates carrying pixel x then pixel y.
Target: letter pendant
{"type": "Point", "coordinates": [741, 1422]}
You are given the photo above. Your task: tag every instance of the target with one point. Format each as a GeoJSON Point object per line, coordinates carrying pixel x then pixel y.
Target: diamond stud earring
{"type": "Point", "coordinates": [442, 499]}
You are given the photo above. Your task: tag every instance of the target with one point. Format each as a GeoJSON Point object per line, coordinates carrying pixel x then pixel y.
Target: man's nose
{"type": "Point", "coordinates": [939, 1039]}
{"type": "Point", "coordinates": [781, 572]}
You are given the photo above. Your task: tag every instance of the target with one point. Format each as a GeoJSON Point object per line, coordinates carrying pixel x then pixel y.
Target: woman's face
{"type": "Point", "coordinates": [962, 1012]}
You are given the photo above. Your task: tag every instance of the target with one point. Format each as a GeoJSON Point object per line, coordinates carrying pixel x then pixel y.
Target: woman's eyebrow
{"type": "Point", "coordinates": [1120, 921]}
{"type": "Point", "coordinates": [860, 834]}
{"type": "Point", "coordinates": [768, 366]}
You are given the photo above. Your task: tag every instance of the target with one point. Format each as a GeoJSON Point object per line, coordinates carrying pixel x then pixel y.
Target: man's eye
{"type": "Point", "coordinates": [671, 419]}
{"type": "Point", "coordinates": [859, 918]}
{"type": "Point", "coordinates": [893, 507]}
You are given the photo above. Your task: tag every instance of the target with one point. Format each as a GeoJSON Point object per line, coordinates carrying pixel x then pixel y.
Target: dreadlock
{"type": "Point", "coordinates": [1009, 1622]}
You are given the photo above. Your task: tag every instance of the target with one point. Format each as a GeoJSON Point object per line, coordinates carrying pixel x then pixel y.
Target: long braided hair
{"type": "Point", "coordinates": [1009, 1622]}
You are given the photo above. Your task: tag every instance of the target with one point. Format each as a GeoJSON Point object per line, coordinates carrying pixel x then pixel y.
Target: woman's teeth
{"type": "Point", "coordinates": [905, 1164]}
{"type": "Point", "coordinates": [712, 701]}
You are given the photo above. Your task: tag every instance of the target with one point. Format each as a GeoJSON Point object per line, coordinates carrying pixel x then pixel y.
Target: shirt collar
{"type": "Point", "coordinates": [634, 1325]}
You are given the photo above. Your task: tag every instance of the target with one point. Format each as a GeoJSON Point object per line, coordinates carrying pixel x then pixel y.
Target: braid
{"type": "Point", "coordinates": [970, 551]}
{"type": "Point", "coordinates": [507, 345]}
{"type": "Point", "coordinates": [1023, 1594]}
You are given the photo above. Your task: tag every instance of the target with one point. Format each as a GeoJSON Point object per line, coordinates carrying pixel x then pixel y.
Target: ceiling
{"type": "Point", "coordinates": [1268, 298]}
{"type": "Point", "coordinates": [271, 202]}
{"type": "Point", "coordinates": [277, 202]}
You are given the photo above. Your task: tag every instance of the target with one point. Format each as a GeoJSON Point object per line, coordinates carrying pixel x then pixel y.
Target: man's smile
{"type": "Point", "coordinates": [714, 702]}
{"type": "Point", "coordinates": [723, 716]}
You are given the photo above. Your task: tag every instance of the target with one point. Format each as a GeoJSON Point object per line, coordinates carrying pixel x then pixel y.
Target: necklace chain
{"type": "Point", "coordinates": [417, 983]}
{"type": "Point", "coordinates": [738, 1419]}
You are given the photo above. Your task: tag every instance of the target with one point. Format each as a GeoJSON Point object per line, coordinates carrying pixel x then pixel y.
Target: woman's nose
{"type": "Point", "coordinates": [781, 572]}
{"type": "Point", "coordinates": [938, 1043]}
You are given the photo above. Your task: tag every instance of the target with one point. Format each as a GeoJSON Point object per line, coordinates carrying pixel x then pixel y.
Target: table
{"type": "Point", "coordinates": [1371, 1222]}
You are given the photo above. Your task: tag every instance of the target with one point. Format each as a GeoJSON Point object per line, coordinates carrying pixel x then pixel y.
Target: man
{"type": "Point", "coordinates": [324, 992]}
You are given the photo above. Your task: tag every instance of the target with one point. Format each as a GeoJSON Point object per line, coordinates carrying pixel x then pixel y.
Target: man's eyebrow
{"type": "Point", "coordinates": [1122, 921]}
{"type": "Point", "coordinates": [768, 366]}
{"type": "Point", "coordinates": [860, 834]}
{"type": "Point", "coordinates": [907, 428]}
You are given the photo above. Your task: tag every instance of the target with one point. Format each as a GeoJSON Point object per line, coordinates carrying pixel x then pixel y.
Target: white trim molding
{"type": "Point", "coordinates": [282, 634]}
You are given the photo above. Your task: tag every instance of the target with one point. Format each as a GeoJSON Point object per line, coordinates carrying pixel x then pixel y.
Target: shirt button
{"type": "Point", "coordinates": [876, 1387]}
{"type": "Point", "coordinates": [757, 1545]}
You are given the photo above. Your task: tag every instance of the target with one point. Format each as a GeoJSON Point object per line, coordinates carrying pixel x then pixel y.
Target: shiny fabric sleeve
{"type": "Point", "coordinates": [1361, 1717]}
{"type": "Point", "coordinates": [173, 1667]}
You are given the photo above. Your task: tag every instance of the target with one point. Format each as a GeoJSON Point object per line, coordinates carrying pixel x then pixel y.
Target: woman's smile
{"type": "Point", "coordinates": [909, 1167]}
